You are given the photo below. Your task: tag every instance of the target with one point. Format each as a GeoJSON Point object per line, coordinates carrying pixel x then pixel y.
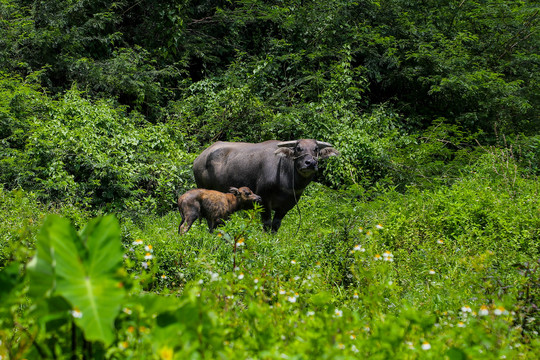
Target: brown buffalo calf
{"type": "Point", "coordinates": [212, 205]}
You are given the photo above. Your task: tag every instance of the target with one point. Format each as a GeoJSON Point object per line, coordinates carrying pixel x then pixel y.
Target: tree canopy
{"type": "Point", "coordinates": [473, 63]}
{"type": "Point", "coordinates": [403, 88]}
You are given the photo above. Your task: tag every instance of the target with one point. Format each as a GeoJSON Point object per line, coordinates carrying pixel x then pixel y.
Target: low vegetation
{"type": "Point", "coordinates": [421, 240]}
{"type": "Point", "coordinates": [451, 271]}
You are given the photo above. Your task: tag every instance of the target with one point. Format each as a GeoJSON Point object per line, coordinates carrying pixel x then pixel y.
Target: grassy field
{"type": "Point", "coordinates": [447, 272]}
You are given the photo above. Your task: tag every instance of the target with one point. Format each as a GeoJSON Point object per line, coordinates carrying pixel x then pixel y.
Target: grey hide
{"type": "Point", "coordinates": [277, 171]}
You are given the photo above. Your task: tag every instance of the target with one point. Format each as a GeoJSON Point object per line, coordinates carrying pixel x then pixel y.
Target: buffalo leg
{"type": "Point", "coordinates": [278, 216]}
{"type": "Point", "coordinates": [211, 225]}
{"type": "Point", "coordinates": [266, 217]}
{"type": "Point", "coordinates": [181, 226]}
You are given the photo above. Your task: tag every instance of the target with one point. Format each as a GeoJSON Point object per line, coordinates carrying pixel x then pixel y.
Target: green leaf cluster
{"type": "Point", "coordinates": [81, 269]}
{"type": "Point", "coordinates": [93, 155]}
{"type": "Point", "coordinates": [473, 63]}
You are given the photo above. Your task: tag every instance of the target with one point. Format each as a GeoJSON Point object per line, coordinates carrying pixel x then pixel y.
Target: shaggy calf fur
{"type": "Point", "coordinates": [212, 205]}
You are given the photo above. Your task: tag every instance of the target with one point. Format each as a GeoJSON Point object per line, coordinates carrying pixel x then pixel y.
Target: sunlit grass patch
{"type": "Point", "coordinates": [389, 277]}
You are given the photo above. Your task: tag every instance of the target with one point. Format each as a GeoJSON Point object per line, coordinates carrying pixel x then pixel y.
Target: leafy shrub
{"type": "Point", "coordinates": [20, 217]}
{"type": "Point", "coordinates": [433, 157]}
{"type": "Point", "coordinates": [129, 76]}
{"type": "Point", "coordinates": [221, 111]}
{"type": "Point", "coordinates": [93, 155]}
{"type": "Point", "coordinates": [470, 227]}
{"type": "Point", "coordinates": [366, 145]}
{"type": "Point", "coordinates": [527, 154]}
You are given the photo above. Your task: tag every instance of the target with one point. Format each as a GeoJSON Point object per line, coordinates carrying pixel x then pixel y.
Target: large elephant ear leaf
{"type": "Point", "coordinates": [102, 238]}
{"type": "Point", "coordinates": [90, 283]}
{"type": "Point", "coordinates": [82, 269]}
{"type": "Point", "coordinates": [41, 269]}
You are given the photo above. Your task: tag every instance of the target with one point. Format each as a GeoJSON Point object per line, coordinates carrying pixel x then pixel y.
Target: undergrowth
{"type": "Point", "coordinates": [451, 271]}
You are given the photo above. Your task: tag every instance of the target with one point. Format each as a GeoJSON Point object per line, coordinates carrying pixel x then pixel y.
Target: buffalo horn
{"type": "Point", "coordinates": [291, 143]}
{"type": "Point", "coordinates": [322, 144]}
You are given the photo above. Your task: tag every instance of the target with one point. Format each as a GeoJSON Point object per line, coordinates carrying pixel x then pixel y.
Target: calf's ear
{"type": "Point", "coordinates": [284, 151]}
{"type": "Point", "coordinates": [234, 191]}
{"type": "Point", "coordinates": [327, 152]}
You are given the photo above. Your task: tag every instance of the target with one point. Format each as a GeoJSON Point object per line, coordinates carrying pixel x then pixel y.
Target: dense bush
{"type": "Point", "coordinates": [473, 63]}
{"type": "Point", "coordinates": [221, 111]}
{"type": "Point", "coordinates": [92, 155]}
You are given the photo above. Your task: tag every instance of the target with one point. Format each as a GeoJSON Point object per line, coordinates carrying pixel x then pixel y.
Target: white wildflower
{"type": "Point", "coordinates": [76, 313]}
{"type": "Point", "coordinates": [388, 256]}
{"type": "Point", "coordinates": [483, 311]}
{"type": "Point", "coordinates": [359, 248]}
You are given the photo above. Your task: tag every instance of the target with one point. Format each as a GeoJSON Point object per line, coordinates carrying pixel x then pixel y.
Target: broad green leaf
{"type": "Point", "coordinates": [98, 300]}
{"type": "Point", "coordinates": [82, 273]}
{"type": "Point", "coordinates": [87, 280]}
{"type": "Point", "coordinates": [41, 268]}
{"type": "Point", "coordinates": [105, 251]}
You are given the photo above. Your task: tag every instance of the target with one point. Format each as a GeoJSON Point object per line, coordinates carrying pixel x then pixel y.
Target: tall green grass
{"type": "Point", "coordinates": [450, 272]}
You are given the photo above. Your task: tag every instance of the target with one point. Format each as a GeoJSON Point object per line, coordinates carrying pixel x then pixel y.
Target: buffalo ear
{"type": "Point", "coordinates": [327, 152]}
{"type": "Point", "coordinates": [284, 151]}
{"type": "Point", "coordinates": [234, 191]}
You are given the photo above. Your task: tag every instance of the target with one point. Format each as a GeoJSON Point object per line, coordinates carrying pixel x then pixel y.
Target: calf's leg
{"type": "Point", "coordinates": [189, 215]}
{"type": "Point", "coordinates": [185, 225]}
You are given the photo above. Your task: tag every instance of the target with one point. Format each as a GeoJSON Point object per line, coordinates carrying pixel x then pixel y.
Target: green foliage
{"type": "Point", "coordinates": [529, 154]}
{"type": "Point", "coordinates": [129, 76]}
{"type": "Point", "coordinates": [366, 144]}
{"type": "Point", "coordinates": [429, 249]}
{"type": "Point", "coordinates": [213, 112]}
{"type": "Point", "coordinates": [433, 157]}
{"type": "Point", "coordinates": [448, 271]}
{"type": "Point", "coordinates": [90, 154]}
{"type": "Point", "coordinates": [473, 63]}
{"type": "Point", "coordinates": [20, 216]}
{"type": "Point", "coordinates": [456, 60]}
{"type": "Point", "coordinates": [82, 269]}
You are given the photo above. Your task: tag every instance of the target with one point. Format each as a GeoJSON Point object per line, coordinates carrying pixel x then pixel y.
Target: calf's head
{"type": "Point", "coordinates": [306, 154]}
{"type": "Point", "coordinates": [245, 195]}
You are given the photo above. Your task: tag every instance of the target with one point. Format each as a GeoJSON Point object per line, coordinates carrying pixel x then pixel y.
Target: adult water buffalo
{"type": "Point", "coordinates": [277, 171]}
